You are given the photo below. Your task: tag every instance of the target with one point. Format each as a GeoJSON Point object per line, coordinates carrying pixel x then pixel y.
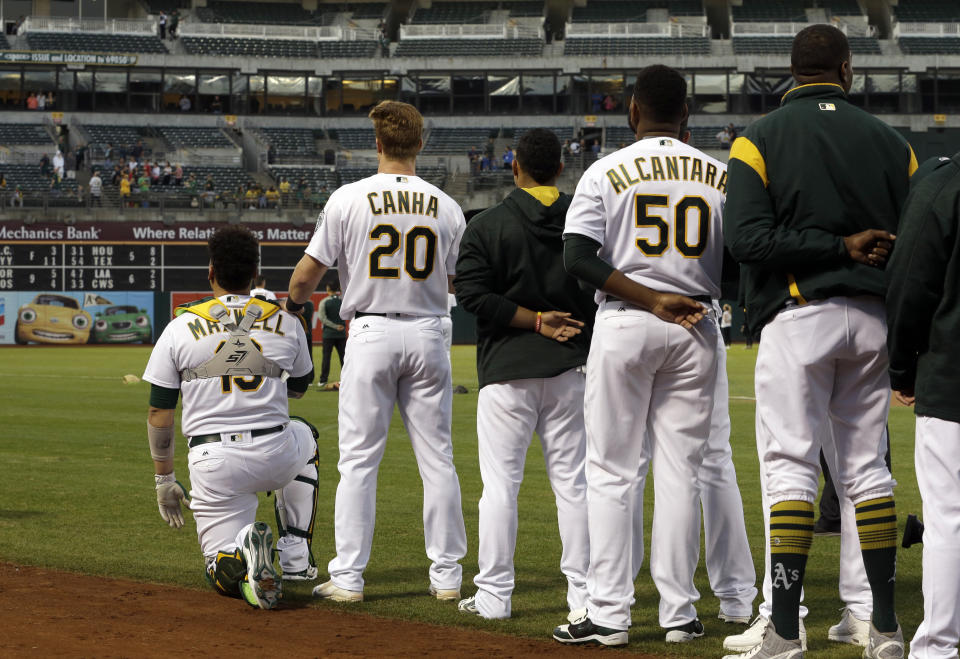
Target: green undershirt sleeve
{"type": "Point", "coordinates": [163, 398]}
{"type": "Point", "coordinates": [581, 260]}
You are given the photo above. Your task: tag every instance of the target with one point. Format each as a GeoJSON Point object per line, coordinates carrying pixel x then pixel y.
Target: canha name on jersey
{"type": "Point", "coordinates": [665, 168]}
{"type": "Point", "coordinates": [408, 202]}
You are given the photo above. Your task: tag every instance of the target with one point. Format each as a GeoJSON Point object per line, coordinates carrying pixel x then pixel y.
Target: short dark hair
{"type": "Point", "coordinates": [819, 49]}
{"type": "Point", "coordinates": [538, 154]}
{"type": "Point", "coordinates": [662, 92]}
{"type": "Point", "coordinates": [260, 280]}
{"type": "Point", "coordinates": [235, 255]}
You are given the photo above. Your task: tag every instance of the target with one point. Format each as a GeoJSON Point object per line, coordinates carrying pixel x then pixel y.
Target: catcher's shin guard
{"type": "Point", "coordinates": [226, 572]}
{"type": "Point", "coordinates": [296, 508]}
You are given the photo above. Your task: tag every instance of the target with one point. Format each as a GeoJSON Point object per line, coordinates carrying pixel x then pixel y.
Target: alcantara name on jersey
{"type": "Point", "coordinates": [665, 168]}
{"type": "Point", "coordinates": [387, 202]}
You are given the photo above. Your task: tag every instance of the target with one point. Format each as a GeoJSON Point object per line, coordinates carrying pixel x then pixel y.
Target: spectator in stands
{"type": "Point", "coordinates": [32, 101]}
{"type": "Point", "coordinates": [41, 101]}
{"type": "Point", "coordinates": [271, 154]}
{"type": "Point", "coordinates": [609, 103]}
{"type": "Point", "coordinates": [108, 155]}
{"type": "Point", "coordinates": [143, 182]}
{"type": "Point", "coordinates": [79, 194]}
{"type": "Point", "coordinates": [184, 103]}
{"type": "Point", "coordinates": [81, 155]}
{"type": "Point", "coordinates": [58, 164]}
{"type": "Point", "coordinates": [723, 137]}
{"type": "Point", "coordinates": [209, 190]}
{"type": "Point", "coordinates": [3, 182]}
{"type": "Point", "coordinates": [118, 174]}
{"type": "Point", "coordinates": [596, 100]}
{"type": "Point", "coordinates": [155, 173]}
{"type": "Point", "coordinates": [174, 23]}
{"type": "Point", "coordinates": [191, 185]}
{"type": "Point", "coordinates": [136, 151]}
{"type": "Point", "coordinates": [124, 189]}
{"type": "Point", "coordinates": [162, 25]}
{"type": "Point", "coordinates": [16, 199]}
{"type": "Point", "coordinates": [216, 106]}
{"type": "Point", "coordinates": [733, 132]}
{"type": "Point", "coordinates": [178, 175]}
{"type": "Point", "coordinates": [56, 186]}
{"type": "Point", "coordinates": [250, 198]}
{"type": "Point", "coordinates": [50, 101]}
{"type": "Point", "coordinates": [284, 187]}
{"type": "Point", "coordinates": [273, 197]}
{"type": "Point", "coordinates": [167, 174]}
{"type": "Point", "coordinates": [595, 147]}
{"type": "Point", "coordinates": [575, 148]}
{"type": "Point", "coordinates": [46, 169]}
{"type": "Point", "coordinates": [322, 197]}
{"type": "Point", "coordinates": [489, 149]}
{"type": "Point", "coordinates": [303, 192]}
{"type": "Point", "coordinates": [508, 158]}
{"type": "Point", "coordinates": [96, 188]}
{"type": "Point", "coordinates": [70, 165]}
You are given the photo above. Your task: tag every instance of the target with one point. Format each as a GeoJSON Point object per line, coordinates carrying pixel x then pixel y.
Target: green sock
{"type": "Point", "coordinates": [877, 528]}
{"type": "Point", "coordinates": [791, 534]}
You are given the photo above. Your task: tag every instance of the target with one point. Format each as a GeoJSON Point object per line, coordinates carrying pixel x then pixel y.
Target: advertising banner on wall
{"type": "Point", "coordinates": [76, 317]}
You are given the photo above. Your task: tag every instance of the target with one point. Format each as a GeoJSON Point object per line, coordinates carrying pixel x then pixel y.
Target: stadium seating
{"type": "Point", "coordinates": [29, 179]}
{"type": "Point", "coordinates": [292, 141]}
{"type": "Point", "coordinates": [224, 178]}
{"type": "Point", "coordinates": [435, 175]}
{"type": "Point", "coordinates": [4, 44]}
{"type": "Point", "coordinates": [930, 45]}
{"type": "Point", "coordinates": [525, 8]}
{"type": "Point", "coordinates": [195, 138]}
{"type": "Point", "coordinates": [563, 133]}
{"type": "Point", "coordinates": [256, 13]}
{"type": "Point", "coordinates": [26, 134]}
{"type": "Point", "coordinates": [118, 136]}
{"type": "Point", "coordinates": [783, 11]}
{"type": "Point", "coordinates": [468, 47]}
{"type": "Point", "coordinates": [249, 47]}
{"type": "Point", "coordinates": [617, 135]}
{"type": "Point", "coordinates": [927, 11]}
{"type": "Point", "coordinates": [354, 139]}
{"type": "Point", "coordinates": [842, 7]}
{"type": "Point", "coordinates": [360, 10]}
{"type": "Point", "coordinates": [454, 13]}
{"type": "Point", "coordinates": [457, 141]}
{"type": "Point", "coordinates": [611, 11]}
{"type": "Point", "coordinates": [316, 177]}
{"type": "Point", "coordinates": [347, 49]}
{"type": "Point", "coordinates": [100, 43]}
{"type": "Point", "coordinates": [770, 45]}
{"type": "Point", "coordinates": [156, 6]}
{"type": "Point", "coordinates": [636, 46]}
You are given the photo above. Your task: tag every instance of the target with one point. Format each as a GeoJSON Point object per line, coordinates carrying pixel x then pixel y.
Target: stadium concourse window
{"type": "Point", "coordinates": [286, 94]}
{"type": "Point", "coordinates": [179, 91]}
{"type": "Point", "coordinates": [927, 85]}
{"type": "Point", "coordinates": [539, 94]}
{"type": "Point", "coordinates": [10, 92]}
{"type": "Point", "coordinates": [710, 93]}
{"type": "Point", "coordinates": [239, 88]}
{"type": "Point", "coordinates": [39, 80]}
{"type": "Point", "coordinates": [213, 92]}
{"type": "Point", "coordinates": [360, 94]}
{"type": "Point", "coordinates": [948, 92]}
{"type": "Point", "coordinates": [315, 96]}
{"type": "Point", "coordinates": [573, 94]}
{"type": "Point", "coordinates": [504, 93]}
{"type": "Point", "coordinates": [84, 90]}
{"type": "Point", "coordinates": [110, 88]}
{"type": "Point", "coordinates": [858, 90]}
{"type": "Point", "coordinates": [333, 95]}
{"type": "Point", "coordinates": [257, 95]}
{"type": "Point", "coordinates": [883, 92]}
{"type": "Point", "coordinates": [66, 95]}
{"type": "Point", "coordinates": [433, 94]}
{"type": "Point", "coordinates": [146, 90]}
{"type": "Point", "coordinates": [606, 91]}
{"type": "Point", "coordinates": [468, 94]}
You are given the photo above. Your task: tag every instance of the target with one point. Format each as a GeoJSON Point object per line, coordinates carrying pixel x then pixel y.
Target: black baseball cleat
{"type": "Point", "coordinates": [912, 532]}
{"type": "Point", "coordinates": [685, 633]}
{"type": "Point", "coordinates": [825, 527]}
{"type": "Point", "coordinates": [582, 631]}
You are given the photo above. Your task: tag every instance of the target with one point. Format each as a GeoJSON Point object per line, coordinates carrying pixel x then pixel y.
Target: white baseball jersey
{"type": "Point", "coordinates": [224, 404]}
{"type": "Point", "coordinates": [395, 240]}
{"type": "Point", "coordinates": [664, 200]}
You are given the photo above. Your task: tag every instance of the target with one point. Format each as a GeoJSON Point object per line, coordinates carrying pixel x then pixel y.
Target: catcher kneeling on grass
{"type": "Point", "coordinates": [236, 360]}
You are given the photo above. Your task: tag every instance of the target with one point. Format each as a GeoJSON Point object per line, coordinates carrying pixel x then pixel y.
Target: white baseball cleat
{"type": "Point", "coordinates": [772, 646]}
{"type": "Point", "coordinates": [445, 594]}
{"type": "Point", "coordinates": [884, 646]}
{"type": "Point", "coordinates": [263, 588]}
{"type": "Point", "coordinates": [468, 605]}
{"type": "Point", "coordinates": [753, 637]}
{"type": "Point", "coordinates": [333, 592]}
{"type": "Point", "coordinates": [850, 630]}
{"type": "Point", "coordinates": [735, 620]}
{"type": "Point", "coordinates": [308, 574]}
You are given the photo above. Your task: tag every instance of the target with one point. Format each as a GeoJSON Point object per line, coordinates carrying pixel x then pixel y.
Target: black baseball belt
{"type": "Point", "coordinates": [198, 440]}
{"type": "Point", "coordinates": [361, 314]}
{"type": "Point", "coordinates": [706, 299]}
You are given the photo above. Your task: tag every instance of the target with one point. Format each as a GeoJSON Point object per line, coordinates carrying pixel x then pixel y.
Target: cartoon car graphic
{"type": "Point", "coordinates": [52, 318]}
{"type": "Point", "coordinates": [122, 324]}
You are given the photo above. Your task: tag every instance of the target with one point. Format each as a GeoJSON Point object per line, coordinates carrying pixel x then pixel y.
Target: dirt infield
{"type": "Point", "coordinates": [56, 614]}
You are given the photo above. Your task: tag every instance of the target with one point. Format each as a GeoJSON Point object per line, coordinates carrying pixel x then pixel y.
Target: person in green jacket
{"type": "Point", "coordinates": [814, 193]}
{"type": "Point", "coordinates": [923, 316]}
{"type": "Point", "coordinates": [531, 349]}
{"type": "Point", "coordinates": [334, 331]}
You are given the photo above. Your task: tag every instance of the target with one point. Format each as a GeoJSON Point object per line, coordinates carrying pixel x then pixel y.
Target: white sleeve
{"type": "Point", "coordinates": [327, 240]}
{"type": "Point", "coordinates": [585, 215]}
{"type": "Point", "coordinates": [161, 368]}
{"type": "Point", "coordinates": [451, 260]}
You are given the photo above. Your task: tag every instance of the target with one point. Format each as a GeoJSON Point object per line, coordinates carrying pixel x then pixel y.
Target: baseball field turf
{"type": "Point", "coordinates": [77, 494]}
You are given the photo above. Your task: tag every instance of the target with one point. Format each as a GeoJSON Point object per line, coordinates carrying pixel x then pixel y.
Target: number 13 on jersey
{"type": "Point", "coordinates": [419, 247]}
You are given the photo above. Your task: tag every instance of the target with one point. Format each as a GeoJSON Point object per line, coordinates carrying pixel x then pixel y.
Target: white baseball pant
{"type": "Point", "coordinates": [508, 413]}
{"type": "Point", "coordinates": [645, 375]}
{"type": "Point", "coordinates": [824, 362]}
{"type": "Point", "coordinates": [396, 359]}
{"type": "Point", "coordinates": [937, 459]}
{"type": "Point", "coordinates": [225, 478]}
{"type": "Point", "coordinates": [446, 326]}
{"type": "Point", "coordinates": [729, 562]}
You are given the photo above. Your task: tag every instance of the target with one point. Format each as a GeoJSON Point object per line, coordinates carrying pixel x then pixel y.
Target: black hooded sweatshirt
{"type": "Point", "coordinates": [510, 255]}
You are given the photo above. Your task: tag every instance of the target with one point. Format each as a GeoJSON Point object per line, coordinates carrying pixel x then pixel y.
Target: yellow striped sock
{"type": "Point", "coordinates": [791, 527]}
{"type": "Point", "coordinates": [877, 523]}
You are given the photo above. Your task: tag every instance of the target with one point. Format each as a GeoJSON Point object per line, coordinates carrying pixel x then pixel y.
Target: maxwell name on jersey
{"type": "Point", "coordinates": [666, 168]}
{"type": "Point", "coordinates": [388, 202]}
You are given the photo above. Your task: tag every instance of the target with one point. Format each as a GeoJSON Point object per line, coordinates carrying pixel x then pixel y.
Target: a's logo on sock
{"type": "Point", "coordinates": [781, 578]}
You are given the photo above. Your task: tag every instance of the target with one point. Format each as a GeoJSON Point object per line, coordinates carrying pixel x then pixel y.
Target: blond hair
{"type": "Point", "coordinates": [399, 127]}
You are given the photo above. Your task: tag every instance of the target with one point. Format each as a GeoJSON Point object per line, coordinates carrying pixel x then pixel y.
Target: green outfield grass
{"type": "Point", "coordinates": [77, 494]}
